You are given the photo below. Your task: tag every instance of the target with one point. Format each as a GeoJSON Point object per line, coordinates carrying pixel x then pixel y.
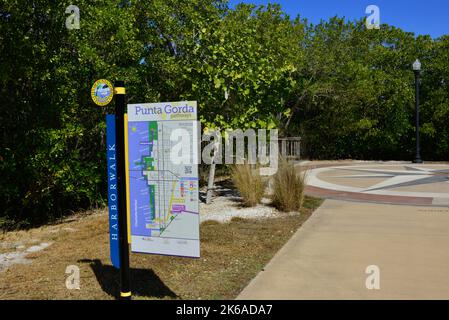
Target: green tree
{"type": "Point", "coordinates": [247, 55]}
{"type": "Point", "coordinates": [52, 141]}
{"type": "Point", "coordinates": [435, 99]}
{"type": "Point", "coordinates": [348, 91]}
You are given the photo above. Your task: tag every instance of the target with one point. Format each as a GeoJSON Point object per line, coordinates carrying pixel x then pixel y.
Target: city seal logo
{"type": "Point", "coordinates": [102, 92]}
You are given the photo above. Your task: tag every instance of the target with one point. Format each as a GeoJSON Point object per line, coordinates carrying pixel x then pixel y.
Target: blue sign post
{"type": "Point", "coordinates": [112, 190]}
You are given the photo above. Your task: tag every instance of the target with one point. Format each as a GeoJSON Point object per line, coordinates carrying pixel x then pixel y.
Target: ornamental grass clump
{"type": "Point", "coordinates": [288, 187]}
{"type": "Point", "coordinates": [249, 183]}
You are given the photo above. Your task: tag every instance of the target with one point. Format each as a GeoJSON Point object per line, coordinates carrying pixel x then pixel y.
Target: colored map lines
{"type": "Point", "coordinates": [167, 190]}
{"type": "Point", "coordinates": [164, 197]}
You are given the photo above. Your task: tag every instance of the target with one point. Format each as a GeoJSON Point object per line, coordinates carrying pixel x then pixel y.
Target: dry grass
{"type": "Point", "coordinates": [288, 187]}
{"type": "Point", "coordinates": [249, 183]}
{"type": "Point", "coordinates": [231, 255]}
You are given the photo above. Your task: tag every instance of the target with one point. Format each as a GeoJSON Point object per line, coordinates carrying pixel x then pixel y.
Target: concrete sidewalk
{"type": "Point", "coordinates": [328, 256]}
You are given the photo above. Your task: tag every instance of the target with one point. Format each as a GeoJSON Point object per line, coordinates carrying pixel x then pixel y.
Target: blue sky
{"type": "Point", "coordinates": [418, 16]}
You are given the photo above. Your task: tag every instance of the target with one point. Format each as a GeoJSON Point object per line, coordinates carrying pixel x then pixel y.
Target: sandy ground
{"type": "Point", "coordinates": [227, 205]}
{"type": "Point", "coordinates": [15, 247]}
{"type": "Point", "coordinates": [231, 255]}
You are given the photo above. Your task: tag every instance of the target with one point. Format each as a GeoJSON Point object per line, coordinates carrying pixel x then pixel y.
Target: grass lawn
{"type": "Point", "coordinates": [231, 255]}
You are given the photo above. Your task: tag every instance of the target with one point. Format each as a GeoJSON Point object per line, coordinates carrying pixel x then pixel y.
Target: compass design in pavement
{"type": "Point", "coordinates": [426, 184]}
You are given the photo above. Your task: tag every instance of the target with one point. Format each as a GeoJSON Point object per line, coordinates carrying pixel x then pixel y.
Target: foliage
{"type": "Point", "coordinates": [356, 92]}
{"type": "Point", "coordinates": [348, 91]}
{"type": "Point", "coordinates": [248, 56]}
{"type": "Point", "coordinates": [53, 137]}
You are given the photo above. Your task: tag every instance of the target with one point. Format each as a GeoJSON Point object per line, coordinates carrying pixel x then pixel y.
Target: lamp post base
{"type": "Point", "coordinates": [417, 160]}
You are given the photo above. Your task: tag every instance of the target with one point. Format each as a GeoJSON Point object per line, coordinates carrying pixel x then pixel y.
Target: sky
{"type": "Point", "coordinates": [419, 16]}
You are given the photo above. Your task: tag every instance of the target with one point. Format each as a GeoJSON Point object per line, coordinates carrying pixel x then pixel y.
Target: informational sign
{"type": "Point", "coordinates": [112, 190]}
{"type": "Point", "coordinates": [163, 178]}
{"type": "Point", "coordinates": [102, 92]}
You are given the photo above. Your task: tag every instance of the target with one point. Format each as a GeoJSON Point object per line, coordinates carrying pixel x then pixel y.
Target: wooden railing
{"type": "Point", "coordinates": [290, 148]}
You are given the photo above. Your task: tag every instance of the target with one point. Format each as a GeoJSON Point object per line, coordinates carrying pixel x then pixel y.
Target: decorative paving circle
{"type": "Point", "coordinates": [398, 183]}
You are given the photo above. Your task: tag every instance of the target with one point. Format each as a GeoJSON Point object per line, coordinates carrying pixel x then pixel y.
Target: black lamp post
{"type": "Point", "coordinates": [417, 70]}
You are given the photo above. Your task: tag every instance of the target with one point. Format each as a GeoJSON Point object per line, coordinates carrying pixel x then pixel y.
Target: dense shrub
{"type": "Point", "coordinates": [346, 90]}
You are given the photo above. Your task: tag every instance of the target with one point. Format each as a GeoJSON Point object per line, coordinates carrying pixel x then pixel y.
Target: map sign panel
{"type": "Point", "coordinates": [163, 178]}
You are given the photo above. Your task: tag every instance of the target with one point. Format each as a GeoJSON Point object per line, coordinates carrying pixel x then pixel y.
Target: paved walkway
{"type": "Point", "coordinates": [327, 258]}
{"type": "Point", "coordinates": [381, 182]}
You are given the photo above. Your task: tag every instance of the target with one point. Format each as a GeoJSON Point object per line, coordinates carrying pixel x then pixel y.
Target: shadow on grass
{"type": "Point", "coordinates": [225, 189]}
{"type": "Point", "coordinates": [144, 282]}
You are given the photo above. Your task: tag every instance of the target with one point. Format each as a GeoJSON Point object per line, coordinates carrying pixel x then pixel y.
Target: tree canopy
{"type": "Point", "coordinates": [346, 90]}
